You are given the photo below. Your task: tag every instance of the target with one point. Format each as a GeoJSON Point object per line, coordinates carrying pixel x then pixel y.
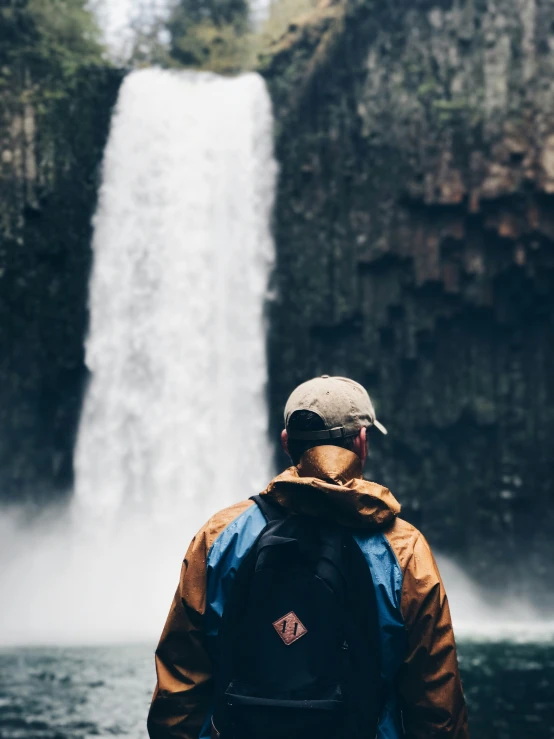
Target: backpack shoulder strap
{"type": "Point", "coordinates": [271, 509]}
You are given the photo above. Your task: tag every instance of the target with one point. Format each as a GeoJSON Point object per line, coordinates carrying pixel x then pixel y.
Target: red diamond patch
{"type": "Point", "coordinates": [290, 628]}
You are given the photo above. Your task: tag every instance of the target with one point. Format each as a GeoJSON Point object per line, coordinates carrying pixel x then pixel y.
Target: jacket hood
{"type": "Point", "coordinates": [328, 483]}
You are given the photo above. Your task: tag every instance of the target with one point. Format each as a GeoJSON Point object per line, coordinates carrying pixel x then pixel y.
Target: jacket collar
{"type": "Point", "coordinates": [327, 483]}
{"type": "Point", "coordinates": [330, 463]}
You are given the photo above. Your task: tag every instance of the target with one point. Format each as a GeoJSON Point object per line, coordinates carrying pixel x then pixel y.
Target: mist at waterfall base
{"type": "Point", "coordinates": [69, 584]}
{"type": "Point", "coordinates": [174, 427]}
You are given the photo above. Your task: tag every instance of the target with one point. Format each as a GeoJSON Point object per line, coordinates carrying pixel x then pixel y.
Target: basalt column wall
{"type": "Point", "coordinates": [415, 238]}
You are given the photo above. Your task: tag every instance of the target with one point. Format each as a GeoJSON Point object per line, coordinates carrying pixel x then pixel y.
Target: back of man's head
{"type": "Point", "coordinates": [327, 411]}
{"type": "Point", "coordinates": [310, 421]}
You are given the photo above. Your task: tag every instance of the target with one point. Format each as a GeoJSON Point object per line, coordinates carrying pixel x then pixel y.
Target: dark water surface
{"type": "Point", "coordinates": [73, 693]}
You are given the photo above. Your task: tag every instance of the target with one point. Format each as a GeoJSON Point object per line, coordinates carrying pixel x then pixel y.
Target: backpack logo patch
{"type": "Point", "coordinates": [290, 628]}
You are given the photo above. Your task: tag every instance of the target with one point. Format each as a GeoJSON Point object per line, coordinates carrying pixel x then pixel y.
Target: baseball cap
{"type": "Point", "coordinates": [342, 404]}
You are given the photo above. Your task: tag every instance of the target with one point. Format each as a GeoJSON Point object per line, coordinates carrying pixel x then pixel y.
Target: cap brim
{"type": "Point", "coordinates": [380, 426]}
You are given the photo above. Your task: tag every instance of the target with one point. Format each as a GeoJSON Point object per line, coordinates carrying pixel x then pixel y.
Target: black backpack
{"type": "Point", "coordinates": [299, 639]}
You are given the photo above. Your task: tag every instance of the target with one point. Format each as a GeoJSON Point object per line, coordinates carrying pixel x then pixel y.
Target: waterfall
{"type": "Point", "coordinates": [175, 416]}
{"type": "Point", "coordinates": [174, 424]}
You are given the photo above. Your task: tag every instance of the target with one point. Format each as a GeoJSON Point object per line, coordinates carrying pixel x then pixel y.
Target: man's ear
{"type": "Point", "coordinates": [360, 444]}
{"type": "Point", "coordinates": [285, 441]}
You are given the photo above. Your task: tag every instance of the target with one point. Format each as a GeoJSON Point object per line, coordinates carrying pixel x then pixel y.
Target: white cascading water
{"type": "Point", "coordinates": [175, 416]}
{"type": "Point", "coordinates": [174, 425]}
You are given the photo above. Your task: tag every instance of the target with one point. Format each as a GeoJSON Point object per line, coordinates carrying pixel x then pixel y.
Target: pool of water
{"type": "Point", "coordinates": [73, 693]}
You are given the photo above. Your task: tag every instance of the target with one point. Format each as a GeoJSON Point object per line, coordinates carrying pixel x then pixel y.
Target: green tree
{"type": "Point", "coordinates": [48, 41]}
{"type": "Point", "coordinates": [210, 34]}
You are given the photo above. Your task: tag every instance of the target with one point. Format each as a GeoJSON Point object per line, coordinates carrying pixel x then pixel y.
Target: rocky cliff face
{"type": "Point", "coordinates": [415, 236]}
{"type": "Point", "coordinates": [50, 151]}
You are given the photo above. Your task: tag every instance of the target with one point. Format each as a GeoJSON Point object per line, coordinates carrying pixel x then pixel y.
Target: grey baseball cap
{"type": "Point", "coordinates": [342, 404]}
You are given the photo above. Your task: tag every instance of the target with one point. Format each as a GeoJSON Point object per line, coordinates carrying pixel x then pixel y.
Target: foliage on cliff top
{"type": "Point", "coordinates": [47, 42]}
{"type": "Point", "coordinates": [284, 14]}
{"type": "Point", "coordinates": [292, 61]}
{"type": "Point", "coordinates": [221, 36]}
{"type": "Point", "coordinates": [209, 34]}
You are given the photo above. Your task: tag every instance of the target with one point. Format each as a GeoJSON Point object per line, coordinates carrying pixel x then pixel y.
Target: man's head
{"type": "Point", "coordinates": [328, 411]}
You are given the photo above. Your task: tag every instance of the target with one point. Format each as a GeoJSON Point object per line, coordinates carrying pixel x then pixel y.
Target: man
{"type": "Point", "coordinates": [326, 424]}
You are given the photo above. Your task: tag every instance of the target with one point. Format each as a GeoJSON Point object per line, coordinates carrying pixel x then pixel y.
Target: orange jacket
{"type": "Point", "coordinates": [417, 641]}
